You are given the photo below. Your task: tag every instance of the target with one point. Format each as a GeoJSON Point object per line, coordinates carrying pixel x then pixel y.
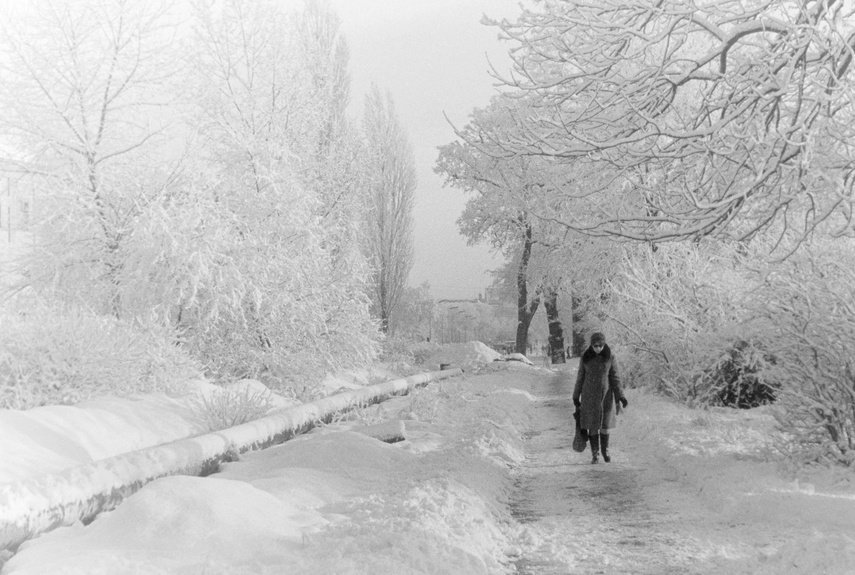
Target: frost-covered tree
{"type": "Point", "coordinates": [283, 279]}
{"type": "Point", "coordinates": [720, 117]}
{"type": "Point", "coordinates": [497, 211]}
{"type": "Point", "coordinates": [804, 311]}
{"type": "Point", "coordinates": [328, 147]}
{"type": "Point", "coordinates": [513, 201]}
{"type": "Point", "coordinates": [413, 315]}
{"type": "Point", "coordinates": [390, 180]}
{"type": "Point", "coordinates": [180, 188]}
{"type": "Point", "coordinates": [89, 101]}
{"type": "Point", "coordinates": [676, 308]}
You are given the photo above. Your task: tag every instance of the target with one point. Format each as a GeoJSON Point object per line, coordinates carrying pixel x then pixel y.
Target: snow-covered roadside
{"type": "Point", "coordinates": [340, 501]}
{"type": "Point", "coordinates": [81, 492]}
{"type": "Point", "coordinates": [50, 439]}
{"type": "Point", "coordinates": [333, 501]}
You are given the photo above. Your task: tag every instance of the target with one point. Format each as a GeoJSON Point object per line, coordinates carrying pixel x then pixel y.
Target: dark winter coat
{"type": "Point", "coordinates": [597, 388]}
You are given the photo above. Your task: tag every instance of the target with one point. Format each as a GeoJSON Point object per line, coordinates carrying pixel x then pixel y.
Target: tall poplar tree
{"type": "Point", "coordinates": [390, 178]}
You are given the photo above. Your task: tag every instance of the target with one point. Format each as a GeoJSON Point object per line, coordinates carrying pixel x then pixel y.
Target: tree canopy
{"type": "Point", "coordinates": [727, 117]}
{"type": "Point", "coordinates": [200, 177]}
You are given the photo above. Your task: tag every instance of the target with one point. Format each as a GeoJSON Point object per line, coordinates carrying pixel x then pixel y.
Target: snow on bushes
{"type": "Point", "coordinates": [239, 402]}
{"type": "Point", "coordinates": [404, 353]}
{"type": "Point", "coordinates": [54, 356]}
{"type": "Point", "coordinates": [710, 324]}
{"type": "Point", "coordinates": [673, 312]}
{"type": "Point", "coordinates": [806, 306]}
{"type": "Point", "coordinates": [235, 237]}
{"type": "Point", "coordinates": [742, 377]}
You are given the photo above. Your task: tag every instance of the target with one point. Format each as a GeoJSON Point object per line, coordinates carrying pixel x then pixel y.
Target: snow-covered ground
{"type": "Point", "coordinates": [446, 499]}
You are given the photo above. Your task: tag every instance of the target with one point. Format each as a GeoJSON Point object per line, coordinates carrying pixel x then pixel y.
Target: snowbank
{"type": "Point", "coordinates": [53, 438]}
{"type": "Point", "coordinates": [28, 508]}
{"type": "Point", "coordinates": [466, 356]}
{"type": "Point", "coordinates": [356, 378]}
{"type": "Point", "coordinates": [331, 501]}
{"type": "Point", "coordinates": [176, 524]}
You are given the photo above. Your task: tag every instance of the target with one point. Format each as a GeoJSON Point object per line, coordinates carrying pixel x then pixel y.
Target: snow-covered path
{"type": "Point", "coordinates": [594, 518]}
{"type": "Point", "coordinates": [640, 515]}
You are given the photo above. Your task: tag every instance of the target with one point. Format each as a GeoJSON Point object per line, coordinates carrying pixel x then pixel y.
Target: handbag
{"type": "Point", "coordinates": [580, 439]}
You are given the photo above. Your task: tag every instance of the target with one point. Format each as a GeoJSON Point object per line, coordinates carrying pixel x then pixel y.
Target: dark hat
{"type": "Point", "coordinates": [598, 337]}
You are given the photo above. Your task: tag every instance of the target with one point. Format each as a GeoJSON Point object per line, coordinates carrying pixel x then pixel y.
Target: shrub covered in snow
{"type": "Point", "coordinates": [743, 377]}
{"type": "Point", "coordinates": [236, 404]}
{"type": "Point", "coordinates": [807, 309]}
{"type": "Point", "coordinates": [672, 314]}
{"type": "Point", "coordinates": [423, 350]}
{"type": "Point", "coordinates": [403, 352]}
{"type": "Point", "coordinates": [52, 356]}
{"type": "Point", "coordinates": [711, 325]}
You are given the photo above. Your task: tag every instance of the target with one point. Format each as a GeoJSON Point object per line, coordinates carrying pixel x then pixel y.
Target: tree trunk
{"type": "Point", "coordinates": [523, 323]}
{"type": "Point", "coordinates": [578, 339]}
{"type": "Point", "coordinates": [556, 331]}
{"type": "Point", "coordinates": [383, 311]}
{"type": "Point", "coordinates": [525, 309]}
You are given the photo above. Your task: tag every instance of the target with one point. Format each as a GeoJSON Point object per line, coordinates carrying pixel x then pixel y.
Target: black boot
{"type": "Point", "coordinates": [595, 448]}
{"type": "Point", "coordinates": [604, 441]}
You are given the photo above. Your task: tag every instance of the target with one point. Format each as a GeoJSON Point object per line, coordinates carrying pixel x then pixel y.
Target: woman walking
{"type": "Point", "coordinates": [597, 390]}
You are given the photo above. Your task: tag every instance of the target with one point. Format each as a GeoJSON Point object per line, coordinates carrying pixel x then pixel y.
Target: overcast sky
{"type": "Point", "coordinates": [432, 56]}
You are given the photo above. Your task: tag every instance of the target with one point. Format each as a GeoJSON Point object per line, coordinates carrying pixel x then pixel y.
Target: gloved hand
{"type": "Point", "coordinates": [623, 402]}
{"type": "Point", "coordinates": [577, 403]}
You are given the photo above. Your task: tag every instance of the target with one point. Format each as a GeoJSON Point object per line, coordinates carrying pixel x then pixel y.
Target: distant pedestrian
{"type": "Point", "coordinates": [596, 394]}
